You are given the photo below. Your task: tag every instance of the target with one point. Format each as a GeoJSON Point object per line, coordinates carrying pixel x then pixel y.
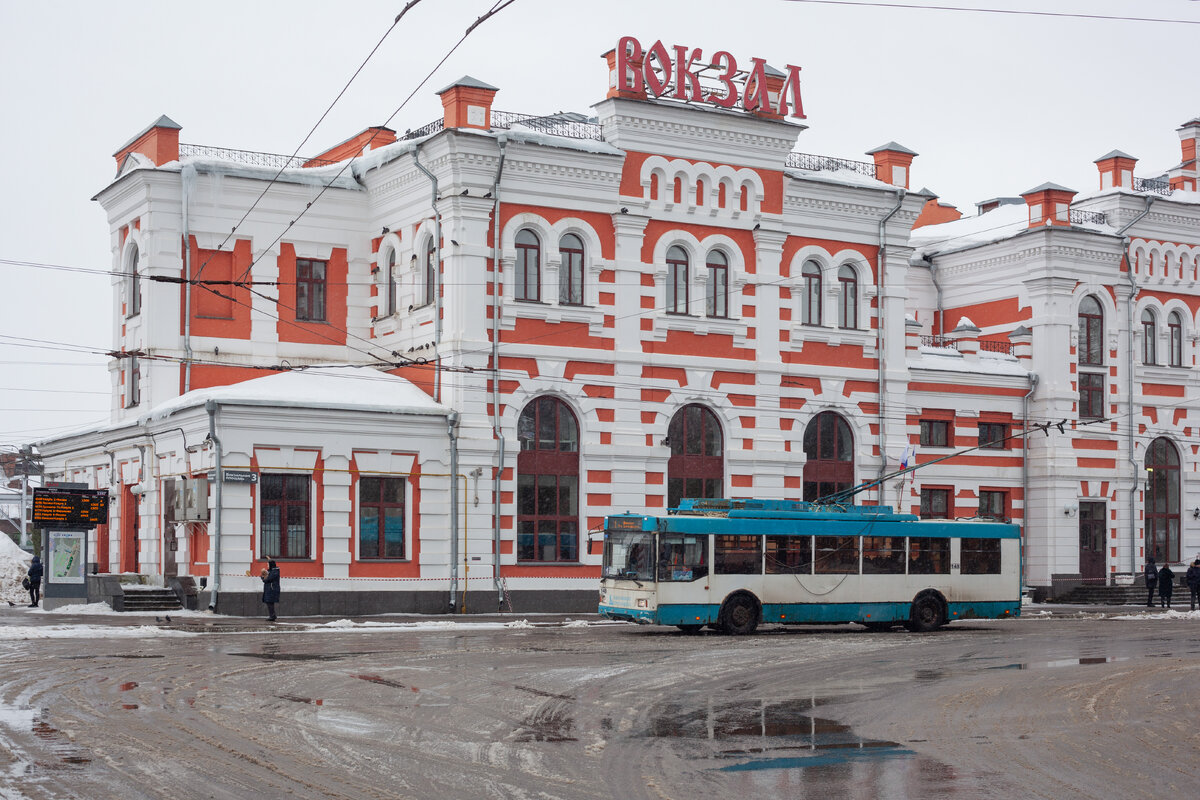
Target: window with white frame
{"type": "Point", "coordinates": [1175, 339]}
{"type": "Point", "coordinates": [570, 273]}
{"type": "Point", "coordinates": [716, 300]}
{"type": "Point", "coordinates": [848, 298]}
{"type": "Point", "coordinates": [810, 313]}
{"type": "Point", "coordinates": [528, 283]}
{"type": "Point", "coordinates": [677, 280]}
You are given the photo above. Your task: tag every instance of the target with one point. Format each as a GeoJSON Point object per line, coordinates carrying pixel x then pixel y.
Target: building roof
{"type": "Point", "coordinates": [162, 122]}
{"type": "Point", "coordinates": [1047, 187]}
{"type": "Point", "coordinates": [470, 83]}
{"type": "Point", "coordinates": [894, 148]}
{"type": "Point", "coordinates": [1114, 154]}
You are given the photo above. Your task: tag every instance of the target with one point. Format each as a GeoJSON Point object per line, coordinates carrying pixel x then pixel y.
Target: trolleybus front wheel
{"type": "Point", "coordinates": [926, 614]}
{"type": "Point", "coordinates": [739, 615]}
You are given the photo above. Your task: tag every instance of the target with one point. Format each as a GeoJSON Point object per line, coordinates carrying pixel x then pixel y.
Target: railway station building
{"type": "Point", "coordinates": [417, 370]}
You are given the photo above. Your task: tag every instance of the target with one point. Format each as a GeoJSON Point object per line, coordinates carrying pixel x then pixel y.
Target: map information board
{"type": "Point", "coordinates": [66, 557]}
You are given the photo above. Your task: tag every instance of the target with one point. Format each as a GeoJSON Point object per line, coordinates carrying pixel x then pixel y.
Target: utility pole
{"type": "Point", "coordinates": [26, 462]}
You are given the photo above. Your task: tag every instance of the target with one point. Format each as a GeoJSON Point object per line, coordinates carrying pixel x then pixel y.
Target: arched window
{"type": "Point", "coordinates": [1162, 501]}
{"type": "Point", "coordinates": [716, 300]}
{"type": "Point", "coordinates": [1091, 354]}
{"type": "Point", "coordinates": [848, 298]}
{"type": "Point", "coordinates": [529, 267]}
{"type": "Point", "coordinates": [1175, 339]}
{"type": "Point", "coordinates": [810, 314]}
{"type": "Point", "coordinates": [1149, 338]}
{"type": "Point", "coordinates": [547, 482]}
{"type": "Point", "coordinates": [696, 467]}
{"type": "Point", "coordinates": [134, 285]}
{"type": "Point", "coordinates": [570, 274]}
{"type": "Point", "coordinates": [429, 284]}
{"type": "Point", "coordinates": [829, 456]}
{"type": "Point", "coordinates": [390, 281]}
{"type": "Point", "coordinates": [677, 280]}
{"type": "Point", "coordinates": [1091, 333]}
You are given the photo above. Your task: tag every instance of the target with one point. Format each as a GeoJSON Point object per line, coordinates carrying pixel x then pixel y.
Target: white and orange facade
{"type": "Point", "coordinates": [583, 316]}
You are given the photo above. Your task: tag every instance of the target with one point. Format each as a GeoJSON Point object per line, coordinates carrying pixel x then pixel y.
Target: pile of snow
{"type": "Point", "coordinates": [14, 563]}
{"type": "Point", "coordinates": [1164, 614]}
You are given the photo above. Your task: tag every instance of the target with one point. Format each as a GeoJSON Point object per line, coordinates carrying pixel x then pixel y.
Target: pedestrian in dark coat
{"type": "Point", "coordinates": [35, 582]}
{"type": "Point", "coordinates": [1193, 582]}
{"type": "Point", "coordinates": [1166, 584]}
{"type": "Point", "coordinates": [1151, 576]}
{"type": "Point", "coordinates": [270, 595]}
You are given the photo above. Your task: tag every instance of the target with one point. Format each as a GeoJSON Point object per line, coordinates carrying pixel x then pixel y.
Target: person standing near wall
{"type": "Point", "coordinates": [35, 581]}
{"type": "Point", "coordinates": [270, 595]}
{"type": "Point", "coordinates": [1151, 575]}
{"type": "Point", "coordinates": [1193, 582]}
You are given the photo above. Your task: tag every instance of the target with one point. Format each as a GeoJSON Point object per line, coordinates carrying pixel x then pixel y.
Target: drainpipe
{"type": "Point", "coordinates": [215, 584]}
{"type": "Point", "coordinates": [1133, 287]}
{"type": "Point", "coordinates": [186, 176]}
{"type": "Point", "coordinates": [1033, 382]}
{"type": "Point", "coordinates": [879, 279]}
{"type": "Point", "coordinates": [437, 271]}
{"type": "Point", "coordinates": [937, 287]}
{"type": "Point", "coordinates": [452, 430]}
{"type": "Point", "coordinates": [497, 428]}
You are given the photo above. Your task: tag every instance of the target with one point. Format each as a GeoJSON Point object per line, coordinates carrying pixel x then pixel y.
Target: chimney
{"type": "Point", "coordinates": [159, 143]}
{"type": "Point", "coordinates": [1187, 174]}
{"type": "Point", "coordinates": [1116, 169]}
{"type": "Point", "coordinates": [1022, 343]}
{"type": "Point", "coordinates": [965, 336]}
{"type": "Point", "coordinates": [935, 212]}
{"type": "Point", "coordinates": [632, 87]}
{"type": "Point", "coordinates": [1049, 204]}
{"type": "Point", "coordinates": [892, 162]}
{"type": "Point", "coordinates": [773, 81]}
{"type": "Point", "coordinates": [468, 104]}
{"type": "Point", "coordinates": [356, 145]}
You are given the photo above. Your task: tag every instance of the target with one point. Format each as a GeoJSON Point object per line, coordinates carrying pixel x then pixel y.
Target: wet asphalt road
{"type": "Point", "coordinates": [1072, 704]}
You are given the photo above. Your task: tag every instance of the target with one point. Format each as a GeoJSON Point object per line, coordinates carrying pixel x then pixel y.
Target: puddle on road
{"type": "Point", "coordinates": [1063, 662]}
{"type": "Point", "coordinates": [298, 656]}
{"type": "Point", "coordinates": [63, 753]}
{"type": "Point", "coordinates": [782, 739]}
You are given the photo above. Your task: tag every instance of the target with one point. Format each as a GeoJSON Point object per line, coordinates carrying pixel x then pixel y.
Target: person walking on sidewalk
{"type": "Point", "coordinates": [1193, 581]}
{"type": "Point", "coordinates": [1151, 576]}
{"type": "Point", "coordinates": [270, 595]}
{"type": "Point", "coordinates": [1166, 585]}
{"type": "Point", "coordinates": [35, 582]}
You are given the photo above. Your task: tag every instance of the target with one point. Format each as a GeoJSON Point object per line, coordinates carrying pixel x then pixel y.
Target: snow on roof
{"type": "Point", "coordinates": [335, 175]}
{"type": "Point", "coordinates": [1176, 196]}
{"type": "Point", "coordinates": [965, 322]}
{"type": "Point", "coordinates": [526, 135]}
{"type": "Point", "coordinates": [997, 224]}
{"type": "Point", "coordinates": [335, 388]}
{"type": "Point", "coordinates": [948, 359]}
{"type": "Point", "coordinates": [846, 177]}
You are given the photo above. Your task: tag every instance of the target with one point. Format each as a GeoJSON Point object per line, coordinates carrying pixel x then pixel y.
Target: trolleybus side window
{"type": "Point", "coordinates": [928, 556]}
{"type": "Point", "coordinates": [980, 557]}
{"type": "Point", "coordinates": [883, 555]}
{"type": "Point", "coordinates": [837, 555]}
{"type": "Point", "coordinates": [737, 555]}
{"type": "Point", "coordinates": [682, 557]}
{"type": "Point", "coordinates": [789, 555]}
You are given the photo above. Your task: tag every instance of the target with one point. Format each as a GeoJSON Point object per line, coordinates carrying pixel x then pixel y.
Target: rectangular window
{"type": "Point", "coordinates": [682, 557]}
{"type": "Point", "coordinates": [935, 433]}
{"type": "Point", "coordinates": [380, 518]}
{"type": "Point", "coordinates": [133, 388]}
{"type": "Point", "coordinates": [935, 503]}
{"type": "Point", "coordinates": [789, 555]}
{"type": "Point", "coordinates": [980, 557]}
{"type": "Point", "coordinates": [836, 555]}
{"type": "Point", "coordinates": [310, 290]}
{"type": "Point", "coordinates": [883, 555]}
{"type": "Point", "coordinates": [677, 287]}
{"type": "Point", "coordinates": [993, 435]}
{"type": "Point", "coordinates": [548, 510]}
{"type": "Point", "coordinates": [737, 555]}
{"type": "Point", "coordinates": [716, 298]}
{"type": "Point", "coordinates": [1091, 395]}
{"type": "Point", "coordinates": [928, 556]}
{"type": "Point", "coordinates": [283, 527]}
{"type": "Point", "coordinates": [993, 504]}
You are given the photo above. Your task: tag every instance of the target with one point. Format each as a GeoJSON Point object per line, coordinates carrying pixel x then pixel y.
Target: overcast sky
{"type": "Point", "coordinates": [994, 103]}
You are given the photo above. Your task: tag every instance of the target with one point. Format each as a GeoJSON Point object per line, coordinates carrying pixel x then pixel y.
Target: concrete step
{"type": "Point", "coordinates": [154, 599]}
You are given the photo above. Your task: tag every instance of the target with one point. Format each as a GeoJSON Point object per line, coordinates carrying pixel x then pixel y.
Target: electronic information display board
{"type": "Point", "coordinates": [67, 507]}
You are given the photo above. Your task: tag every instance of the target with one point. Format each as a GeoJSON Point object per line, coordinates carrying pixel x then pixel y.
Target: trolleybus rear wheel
{"type": "Point", "coordinates": [926, 614]}
{"type": "Point", "coordinates": [739, 615]}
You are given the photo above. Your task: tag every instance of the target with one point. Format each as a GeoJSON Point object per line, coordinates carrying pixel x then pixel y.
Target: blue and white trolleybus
{"type": "Point", "coordinates": [733, 564]}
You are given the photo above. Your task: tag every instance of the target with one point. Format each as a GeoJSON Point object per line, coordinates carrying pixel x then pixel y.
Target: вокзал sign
{"type": "Point", "coordinates": [675, 74]}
